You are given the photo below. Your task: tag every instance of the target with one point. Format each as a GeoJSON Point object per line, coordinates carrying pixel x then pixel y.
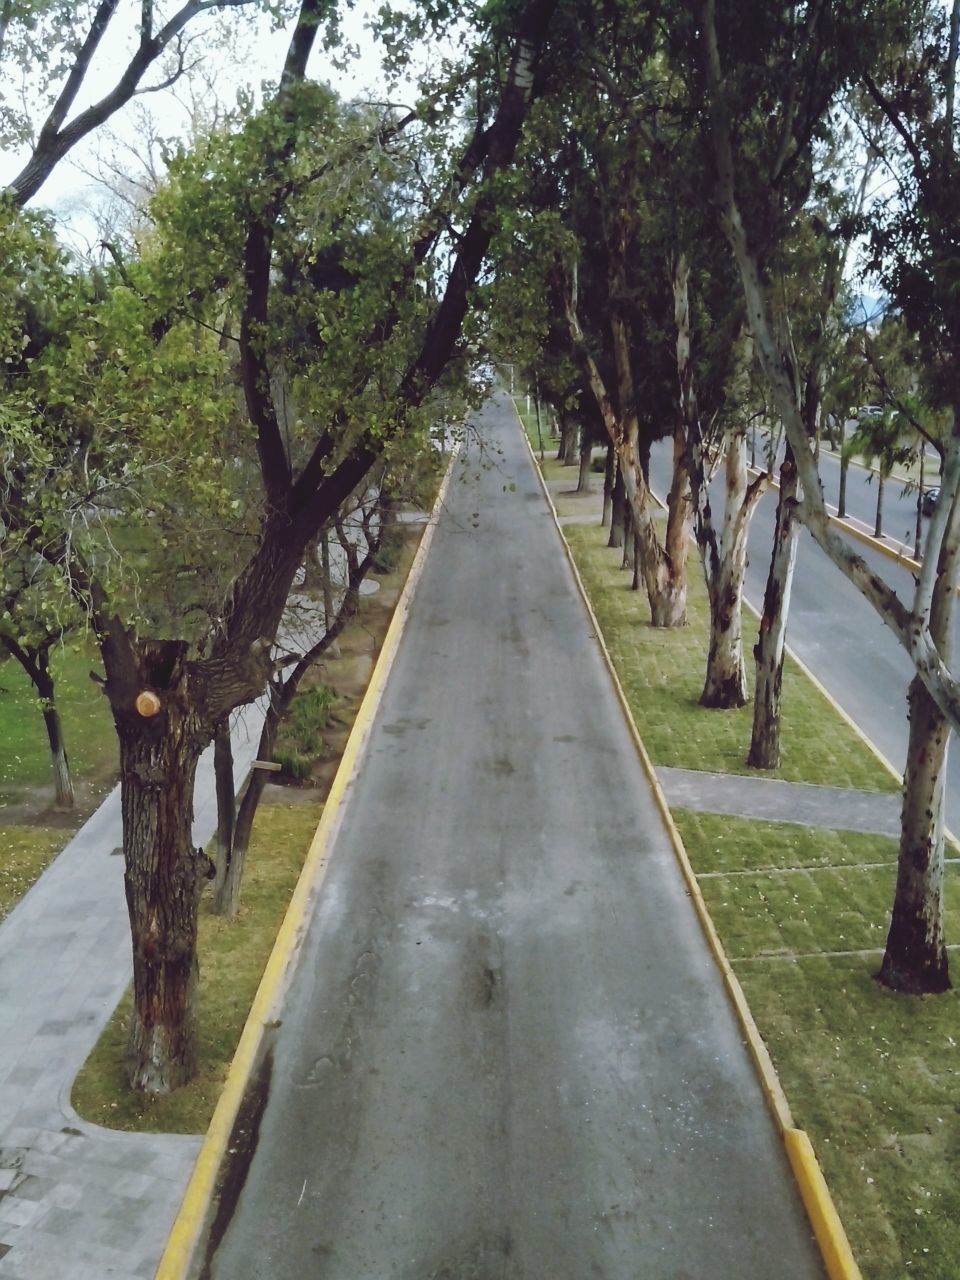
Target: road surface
{"type": "Point", "coordinates": [507, 1052]}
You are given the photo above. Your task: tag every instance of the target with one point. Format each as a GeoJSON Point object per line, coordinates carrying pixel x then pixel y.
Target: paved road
{"type": "Point", "coordinates": [507, 1052]}
{"type": "Point", "coordinates": [837, 633]}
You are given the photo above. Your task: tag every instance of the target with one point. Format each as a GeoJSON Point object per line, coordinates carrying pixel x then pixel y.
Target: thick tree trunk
{"type": "Point", "coordinates": [225, 896]}
{"type": "Point", "coordinates": [163, 880]}
{"type": "Point", "coordinates": [618, 510]}
{"type": "Point", "coordinates": [609, 477]}
{"type": "Point", "coordinates": [586, 455]}
{"type": "Point", "coordinates": [771, 646]}
{"type": "Point", "coordinates": [915, 959]}
{"type": "Point", "coordinates": [569, 433]}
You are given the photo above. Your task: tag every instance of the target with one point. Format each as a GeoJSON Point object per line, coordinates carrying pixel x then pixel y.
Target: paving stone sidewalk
{"type": "Point", "coordinates": [78, 1202]}
{"type": "Point", "coordinates": [770, 800]}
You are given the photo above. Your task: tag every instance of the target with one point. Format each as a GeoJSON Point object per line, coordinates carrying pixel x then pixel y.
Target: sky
{"type": "Point", "coordinates": [70, 193]}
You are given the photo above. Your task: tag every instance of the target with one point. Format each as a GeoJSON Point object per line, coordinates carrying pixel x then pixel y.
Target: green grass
{"type": "Point", "coordinates": [232, 959]}
{"type": "Point", "coordinates": [662, 673]}
{"type": "Point", "coordinates": [27, 852]}
{"type": "Point", "coordinates": [873, 1077]}
{"type": "Point", "coordinates": [87, 725]}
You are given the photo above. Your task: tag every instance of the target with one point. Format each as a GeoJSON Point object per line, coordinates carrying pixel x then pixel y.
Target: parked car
{"type": "Point", "coordinates": [868, 411]}
{"type": "Point", "coordinates": [929, 500]}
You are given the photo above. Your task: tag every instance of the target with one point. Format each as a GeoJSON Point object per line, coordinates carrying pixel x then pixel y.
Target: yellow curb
{"type": "Point", "coordinates": [827, 1227]}
{"type": "Point", "coordinates": [191, 1218]}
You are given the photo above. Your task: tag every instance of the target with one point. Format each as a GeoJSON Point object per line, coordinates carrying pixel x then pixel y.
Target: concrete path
{"type": "Point", "coordinates": [770, 800]}
{"type": "Point", "coordinates": [507, 1051]}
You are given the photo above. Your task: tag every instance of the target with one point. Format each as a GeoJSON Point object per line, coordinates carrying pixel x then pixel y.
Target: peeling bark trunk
{"type": "Point", "coordinates": [725, 686]}
{"type": "Point", "coordinates": [771, 646]}
{"type": "Point", "coordinates": [609, 477]}
{"type": "Point", "coordinates": [915, 957]}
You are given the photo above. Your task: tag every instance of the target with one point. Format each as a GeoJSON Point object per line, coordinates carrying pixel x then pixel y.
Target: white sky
{"type": "Point", "coordinates": [69, 192]}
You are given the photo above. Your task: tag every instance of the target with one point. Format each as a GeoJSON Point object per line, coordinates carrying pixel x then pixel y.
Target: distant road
{"type": "Point", "coordinates": [832, 627]}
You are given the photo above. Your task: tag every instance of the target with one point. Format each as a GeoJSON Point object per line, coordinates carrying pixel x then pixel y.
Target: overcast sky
{"type": "Point", "coordinates": [70, 192]}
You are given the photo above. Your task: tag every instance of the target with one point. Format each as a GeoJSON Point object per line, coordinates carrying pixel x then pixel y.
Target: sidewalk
{"type": "Point", "coordinates": [78, 1202]}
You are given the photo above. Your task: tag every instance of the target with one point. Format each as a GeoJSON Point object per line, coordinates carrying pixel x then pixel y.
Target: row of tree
{"type": "Point", "coordinates": [696, 191]}
{"type": "Point", "coordinates": [660, 199]}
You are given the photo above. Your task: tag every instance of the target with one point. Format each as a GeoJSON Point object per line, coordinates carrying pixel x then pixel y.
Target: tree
{"type": "Point", "coordinates": [822, 50]}
{"type": "Point", "coordinates": [60, 41]}
{"type": "Point", "coordinates": [351, 313]}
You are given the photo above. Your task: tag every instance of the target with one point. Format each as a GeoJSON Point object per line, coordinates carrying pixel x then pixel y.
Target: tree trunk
{"type": "Point", "coordinates": [770, 647]}
{"type": "Point", "coordinates": [844, 468]}
{"type": "Point", "coordinates": [629, 558]}
{"type": "Point", "coordinates": [586, 456]}
{"type": "Point", "coordinates": [609, 478]}
{"type": "Point", "coordinates": [618, 509]}
{"type": "Point", "coordinates": [915, 959]}
{"type": "Point", "coordinates": [36, 664]}
{"type": "Point", "coordinates": [878, 527]}
{"type": "Point", "coordinates": [163, 879]}
{"type": "Point", "coordinates": [569, 431]}
{"type": "Point", "coordinates": [725, 686]}
{"type": "Point", "coordinates": [44, 684]}
{"type": "Point", "coordinates": [62, 780]}
{"type": "Point", "coordinates": [224, 895]}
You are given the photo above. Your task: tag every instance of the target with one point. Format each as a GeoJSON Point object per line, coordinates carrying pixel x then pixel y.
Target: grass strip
{"type": "Point", "coordinates": [662, 673]}
{"type": "Point", "coordinates": [27, 852]}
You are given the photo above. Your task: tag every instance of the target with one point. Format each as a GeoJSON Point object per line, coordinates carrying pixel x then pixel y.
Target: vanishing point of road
{"type": "Point", "coordinates": [507, 1053]}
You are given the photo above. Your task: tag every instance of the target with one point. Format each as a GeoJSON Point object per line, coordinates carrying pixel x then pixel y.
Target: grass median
{"type": "Point", "coordinates": [803, 913]}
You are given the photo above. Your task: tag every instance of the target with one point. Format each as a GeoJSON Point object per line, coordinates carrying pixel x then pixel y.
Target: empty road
{"type": "Point", "coordinates": [507, 1053]}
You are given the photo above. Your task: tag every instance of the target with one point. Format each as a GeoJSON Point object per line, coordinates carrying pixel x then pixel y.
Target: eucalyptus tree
{"type": "Point", "coordinates": [770, 76]}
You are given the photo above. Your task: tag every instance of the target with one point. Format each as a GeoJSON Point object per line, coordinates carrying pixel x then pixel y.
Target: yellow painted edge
{"type": "Point", "coordinates": [827, 1227]}
{"type": "Point", "coordinates": [191, 1216]}
{"type": "Point", "coordinates": [818, 1203]}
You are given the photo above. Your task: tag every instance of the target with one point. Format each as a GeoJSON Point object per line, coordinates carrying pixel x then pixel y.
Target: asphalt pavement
{"type": "Point", "coordinates": [507, 1051]}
